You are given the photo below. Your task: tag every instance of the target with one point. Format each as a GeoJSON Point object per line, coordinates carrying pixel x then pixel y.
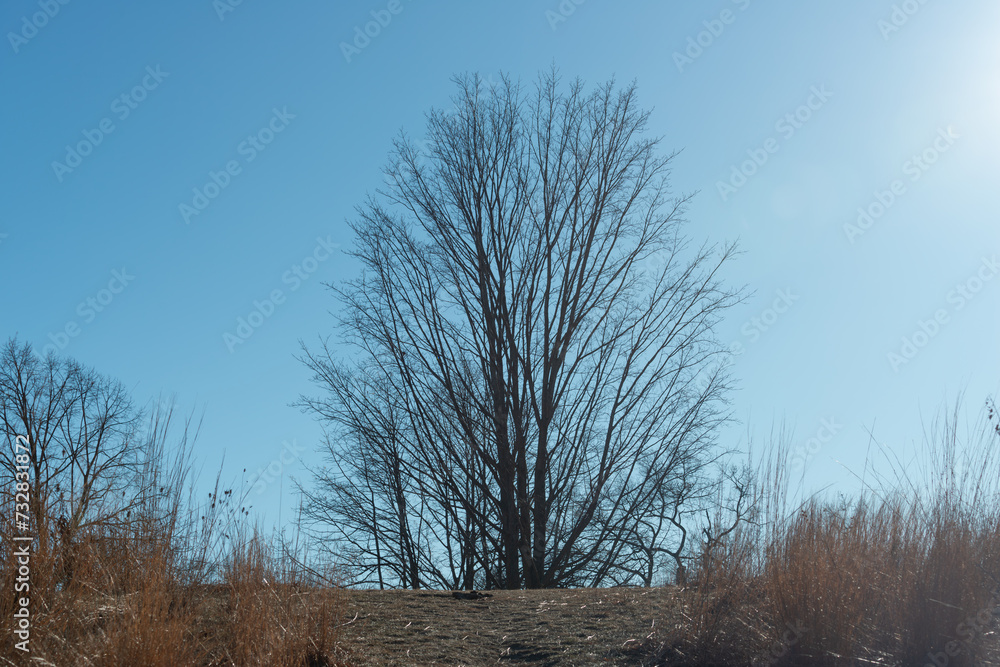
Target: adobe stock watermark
{"type": "Point", "coordinates": [826, 432]}
{"type": "Point", "coordinates": [3, 237]}
{"type": "Point", "coordinates": [786, 127]}
{"type": "Point", "coordinates": [223, 7]}
{"type": "Point", "coordinates": [249, 149]}
{"type": "Point", "coordinates": [294, 277]}
{"type": "Point", "coordinates": [756, 326]}
{"type": "Point", "coordinates": [900, 16]}
{"type": "Point", "coordinates": [958, 298]}
{"type": "Point", "coordinates": [714, 28]}
{"type": "Point", "coordinates": [87, 310]}
{"type": "Point", "coordinates": [30, 25]}
{"type": "Point", "coordinates": [967, 630]}
{"type": "Point", "coordinates": [122, 107]}
{"type": "Point", "coordinates": [290, 453]}
{"type": "Point", "coordinates": [21, 557]}
{"type": "Point", "coordinates": [562, 13]}
{"type": "Point", "coordinates": [363, 35]}
{"type": "Point", "coordinates": [914, 168]}
{"type": "Point", "coordinates": [779, 648]}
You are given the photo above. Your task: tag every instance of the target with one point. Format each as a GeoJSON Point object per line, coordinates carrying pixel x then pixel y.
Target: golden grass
{"type": "Point", "coordinates": [167, 583]}
{"type": "Point", "coordinates": [129, 603]}
{"type": "Point", "coordinates": [908, 573]}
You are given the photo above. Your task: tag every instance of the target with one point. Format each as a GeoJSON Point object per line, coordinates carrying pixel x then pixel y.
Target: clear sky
{"type": "Point", "coordinates": [177, 162]}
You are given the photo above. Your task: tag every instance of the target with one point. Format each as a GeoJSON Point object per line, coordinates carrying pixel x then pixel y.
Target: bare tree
{"type": "Point", "coordinates": [535, 378]}
{"type": "Point", "coordinates": [80, 427]}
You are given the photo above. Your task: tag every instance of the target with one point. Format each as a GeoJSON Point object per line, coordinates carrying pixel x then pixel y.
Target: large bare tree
{"type": "Point", "coordinates": [531, 388]}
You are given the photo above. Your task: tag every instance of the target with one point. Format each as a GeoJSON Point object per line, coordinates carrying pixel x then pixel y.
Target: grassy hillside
{"type": "Point", "coordinates": [907, 573]}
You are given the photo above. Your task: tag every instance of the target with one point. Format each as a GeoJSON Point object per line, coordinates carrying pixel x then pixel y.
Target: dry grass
{"type": "Point", "coordinates": [908, 573]}
{"type": "Point", "coordinates": [275, 618]}
{"type": "Point", "coordinates": [166, 582]}
{"type": "Point", "coordinates": [130, 606]}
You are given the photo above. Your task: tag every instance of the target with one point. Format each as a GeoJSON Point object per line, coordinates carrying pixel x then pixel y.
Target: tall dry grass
{"type": "Point", "coordinates": [906, 573]}
{"type": "Point", "coordinates": [278, 617]}
{"type": "Point", "coordinates": [170, 581]}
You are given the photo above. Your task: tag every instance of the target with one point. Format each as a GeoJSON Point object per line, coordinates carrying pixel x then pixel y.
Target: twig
{"type": "Point", "coordinates": [348, 623]}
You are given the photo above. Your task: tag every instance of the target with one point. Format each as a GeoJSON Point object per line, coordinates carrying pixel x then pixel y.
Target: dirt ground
{"type": "Point", "coordinates": [546, 627]}
{"type": "Point", "coordinates": [566, 627]}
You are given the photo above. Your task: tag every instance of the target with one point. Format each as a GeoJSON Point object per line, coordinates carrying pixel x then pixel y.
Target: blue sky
{"type": "Point", "coordinates": [791, 118]}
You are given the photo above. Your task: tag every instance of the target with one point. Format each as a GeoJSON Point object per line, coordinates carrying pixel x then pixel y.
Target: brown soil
{"type": "Point", "coordinates": [546, 627]}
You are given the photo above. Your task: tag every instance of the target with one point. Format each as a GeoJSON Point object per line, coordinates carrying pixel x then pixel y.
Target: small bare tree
{"type": "Point", "coordinates": [536, 379]}
{"type": "Point", "coordinates": [80, 428]}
